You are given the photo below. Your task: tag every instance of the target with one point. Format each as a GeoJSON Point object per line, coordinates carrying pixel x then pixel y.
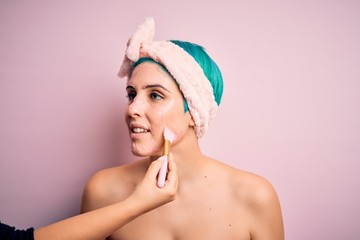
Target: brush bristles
{"type": "Point", "coordinates": [169, 135]}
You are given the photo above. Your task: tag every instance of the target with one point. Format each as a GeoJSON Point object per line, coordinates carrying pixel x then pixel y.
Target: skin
{"type": "Point", "coordinates": [100, 223]}
{"type": "Point", "coordinates": [214, 200]}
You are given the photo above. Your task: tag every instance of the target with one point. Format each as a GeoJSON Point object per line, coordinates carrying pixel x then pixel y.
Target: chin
{"type": "Point", "coordinates": [146, 148]}
{"type": "Point", "coordinates": [138, 154]}
{"type": "Point", "coordinates": [145, 153]}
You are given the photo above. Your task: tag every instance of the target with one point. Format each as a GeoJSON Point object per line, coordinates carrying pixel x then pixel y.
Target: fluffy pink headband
{"type": "Point", "coordinates": [190, 77]}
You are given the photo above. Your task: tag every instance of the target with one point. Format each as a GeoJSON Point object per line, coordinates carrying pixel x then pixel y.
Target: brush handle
{"type": "Point", "coordinates": [167, 145]}
{"type": "Point", "coordinates": [162, 173]}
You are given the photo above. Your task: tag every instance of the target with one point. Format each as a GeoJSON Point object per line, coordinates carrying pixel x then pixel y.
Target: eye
{"type": "Point", "coordinates": [131, 96]}
{"type": "Point", "coordinates": [156, 96]}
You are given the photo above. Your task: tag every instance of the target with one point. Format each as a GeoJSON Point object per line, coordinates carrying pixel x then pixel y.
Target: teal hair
{"type": "Point", "coordinates": [210, 68]}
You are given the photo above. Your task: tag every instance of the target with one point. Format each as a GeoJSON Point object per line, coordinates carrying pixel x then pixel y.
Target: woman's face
{"type": "Point", "coordinates": [155, 102]}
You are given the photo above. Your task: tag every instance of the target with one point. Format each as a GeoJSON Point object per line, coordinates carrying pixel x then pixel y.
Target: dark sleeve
{"type": "Point", "coordinates": [11, 233]}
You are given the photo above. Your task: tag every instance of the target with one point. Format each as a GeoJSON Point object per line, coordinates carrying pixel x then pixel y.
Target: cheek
{"type": "Point", "coordinates": [174, 118]}
{"type": "Point", "coordinates": [166, 114]}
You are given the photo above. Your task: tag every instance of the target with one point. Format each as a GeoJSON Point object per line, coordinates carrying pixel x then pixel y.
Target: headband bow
{"type": "Point", "coordinates": [190, 77]}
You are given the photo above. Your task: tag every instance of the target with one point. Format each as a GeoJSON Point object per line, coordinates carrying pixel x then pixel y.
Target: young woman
{"type": "Point", "coordinates": [175, 84]}
{"type": "Point", "coordinates": [100, 223]}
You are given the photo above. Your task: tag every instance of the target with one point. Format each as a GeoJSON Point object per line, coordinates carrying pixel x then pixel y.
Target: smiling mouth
{"type": "Point", "coordinates": [139, 130]}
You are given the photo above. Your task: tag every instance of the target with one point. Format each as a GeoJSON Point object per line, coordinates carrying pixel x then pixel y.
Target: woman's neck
{"type": "Point", "coordinates": [188, 158]}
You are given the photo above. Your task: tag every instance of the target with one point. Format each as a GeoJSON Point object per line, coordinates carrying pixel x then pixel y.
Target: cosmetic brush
{"type": "Point", "coordinates": [169, 137]}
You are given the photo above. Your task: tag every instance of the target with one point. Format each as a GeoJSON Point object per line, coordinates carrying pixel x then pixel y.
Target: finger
{"type": "Point", "coordinates": [172, 174]}
{"type": "Point", "coordinates": [171, 182]}
{"type": "Point", "coordinates": [172, 165]}
{"type": "Point", "coordinates": [155, 167]}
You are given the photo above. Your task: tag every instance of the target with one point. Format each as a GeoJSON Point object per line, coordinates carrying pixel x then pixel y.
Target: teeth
{"type": "Point", "coordinates": [139, 130]}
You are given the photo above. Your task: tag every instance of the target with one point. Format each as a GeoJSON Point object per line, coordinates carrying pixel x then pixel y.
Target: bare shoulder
{"type": "Point", "coordinates": [248, 188]}
{"type": "Point", "coordinates": [256, 190]}
{"type": "Point", "coordinates": [258, 196]}
{"type": "Point", "coordinates": [111, 185]}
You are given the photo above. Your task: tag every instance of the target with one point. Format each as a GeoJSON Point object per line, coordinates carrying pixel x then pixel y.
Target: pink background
{"type": "Point", "coordinates": [290, 110]}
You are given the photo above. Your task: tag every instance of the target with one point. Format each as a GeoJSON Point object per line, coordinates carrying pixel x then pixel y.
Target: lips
{"type": "Point", "coordinates": [138, 128]}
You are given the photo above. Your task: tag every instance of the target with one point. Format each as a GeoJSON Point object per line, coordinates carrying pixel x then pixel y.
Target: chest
{"type": "Point", "coordinates": [198, 216]}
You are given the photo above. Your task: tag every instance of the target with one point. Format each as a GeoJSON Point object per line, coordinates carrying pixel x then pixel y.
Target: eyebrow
{"type": "Point", "coordinates": [150, 86]}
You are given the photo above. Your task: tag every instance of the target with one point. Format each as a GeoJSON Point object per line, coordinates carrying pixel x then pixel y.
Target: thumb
{"type": "Point", "coordinates": [154, 167]}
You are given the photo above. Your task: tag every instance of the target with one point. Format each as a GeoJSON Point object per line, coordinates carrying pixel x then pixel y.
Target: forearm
{"type": "Point", "coordinates": [93, 225]}
{"type": "Point", "coordinates": [102, 222]}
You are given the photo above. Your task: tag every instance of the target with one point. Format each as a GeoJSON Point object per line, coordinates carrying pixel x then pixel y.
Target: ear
{"type": "Point", "coordinates": [191, 121]}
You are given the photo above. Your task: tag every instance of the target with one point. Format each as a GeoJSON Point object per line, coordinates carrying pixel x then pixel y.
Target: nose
{"type": "Point", "coordinates": [136, 108]}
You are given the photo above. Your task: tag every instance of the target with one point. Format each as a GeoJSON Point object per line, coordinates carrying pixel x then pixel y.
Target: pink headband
{"type": "Point", "coordinates": [190, 77]}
